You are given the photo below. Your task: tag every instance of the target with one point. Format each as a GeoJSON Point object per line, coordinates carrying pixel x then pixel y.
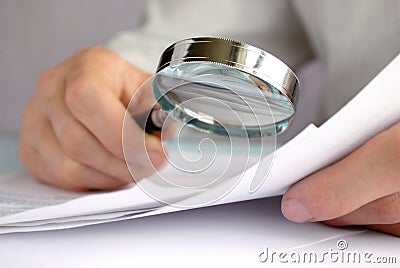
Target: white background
{"type": "Point", "coordinates": [38, 34]}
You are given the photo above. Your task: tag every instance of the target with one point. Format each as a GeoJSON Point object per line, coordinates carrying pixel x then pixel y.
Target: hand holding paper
{"type": "Point", "coordinates": [364, 187]}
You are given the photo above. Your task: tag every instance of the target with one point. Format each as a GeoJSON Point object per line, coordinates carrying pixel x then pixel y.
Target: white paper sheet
{"type": "Point", "coordinates": [373, 110]}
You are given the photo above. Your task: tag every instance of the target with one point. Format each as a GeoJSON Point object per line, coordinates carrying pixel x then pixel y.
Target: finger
{"type": "Point", "coordinates": [33, 162]}
{"type": "Point", "coordinates": [393, 229]}
{"type": "Point", "coordinates": [31, 159]}
{"type": "Point", "coordinates": [27, 154]}
{"type": "Point", "coordinates": [65, 172]}
{"type": "Point", "coordinates": [369, 173]}
{"type": "Point", "coordinates": [82, 147]}
{"type": "Point", "coordinates": [385, 210]}
{"type": "Point", "coordinates": [78, 143]}
{"type": "Point", "coordinates": [36, 166]}
{"type": "Point", "coordinates": [96, 106]}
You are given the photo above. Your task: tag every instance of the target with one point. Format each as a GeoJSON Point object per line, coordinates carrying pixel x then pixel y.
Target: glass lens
{"type": "Point", "coordinates": [219, 99]}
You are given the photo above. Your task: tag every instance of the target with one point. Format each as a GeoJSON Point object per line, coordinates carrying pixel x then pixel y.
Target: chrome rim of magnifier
{"type": "Point", "coordinates": [269, 73]}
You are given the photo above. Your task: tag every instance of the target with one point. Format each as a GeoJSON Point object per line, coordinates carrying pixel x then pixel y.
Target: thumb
{"type": "Point", "coordinates": [369, 173]}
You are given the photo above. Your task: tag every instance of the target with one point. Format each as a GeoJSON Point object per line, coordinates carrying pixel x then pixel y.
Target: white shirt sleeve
{"type": "Point", "coordinates": [271, 25]}
{"type": "Point", "coordinates": [354, 42]}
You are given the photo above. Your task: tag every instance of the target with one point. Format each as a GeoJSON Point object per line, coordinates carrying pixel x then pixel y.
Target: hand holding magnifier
{"type": "Point", "coordinates": [224, 87]}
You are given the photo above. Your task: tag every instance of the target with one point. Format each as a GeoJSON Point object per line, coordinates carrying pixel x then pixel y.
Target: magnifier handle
{"type": "Point", "coordinates": [152, 121]}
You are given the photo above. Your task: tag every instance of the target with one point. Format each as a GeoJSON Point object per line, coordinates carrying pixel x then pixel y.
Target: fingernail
{"type": "Point", "coordinates": [151, 159]}
{"type": "Point", "coordinates": [295, 211]}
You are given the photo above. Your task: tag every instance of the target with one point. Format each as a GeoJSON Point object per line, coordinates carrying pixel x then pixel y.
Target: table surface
{"type": "Point", "coordinates": [229, 234]}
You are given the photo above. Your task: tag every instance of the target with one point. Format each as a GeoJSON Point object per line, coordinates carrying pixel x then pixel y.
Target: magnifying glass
{"type": "Point", "coordinates": [225, 87]}
{"type": "Point", "coordinates": [216, 86]}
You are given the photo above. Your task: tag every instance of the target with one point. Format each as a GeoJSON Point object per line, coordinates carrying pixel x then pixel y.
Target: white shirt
{"type": "Point", "coordinates": [353, 40]}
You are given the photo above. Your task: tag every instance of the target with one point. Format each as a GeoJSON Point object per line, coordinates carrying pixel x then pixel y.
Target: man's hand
{"type": "Point", "coordinates": [361, 189]}
{"type": "Point", "coordinates": [71, 134]}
